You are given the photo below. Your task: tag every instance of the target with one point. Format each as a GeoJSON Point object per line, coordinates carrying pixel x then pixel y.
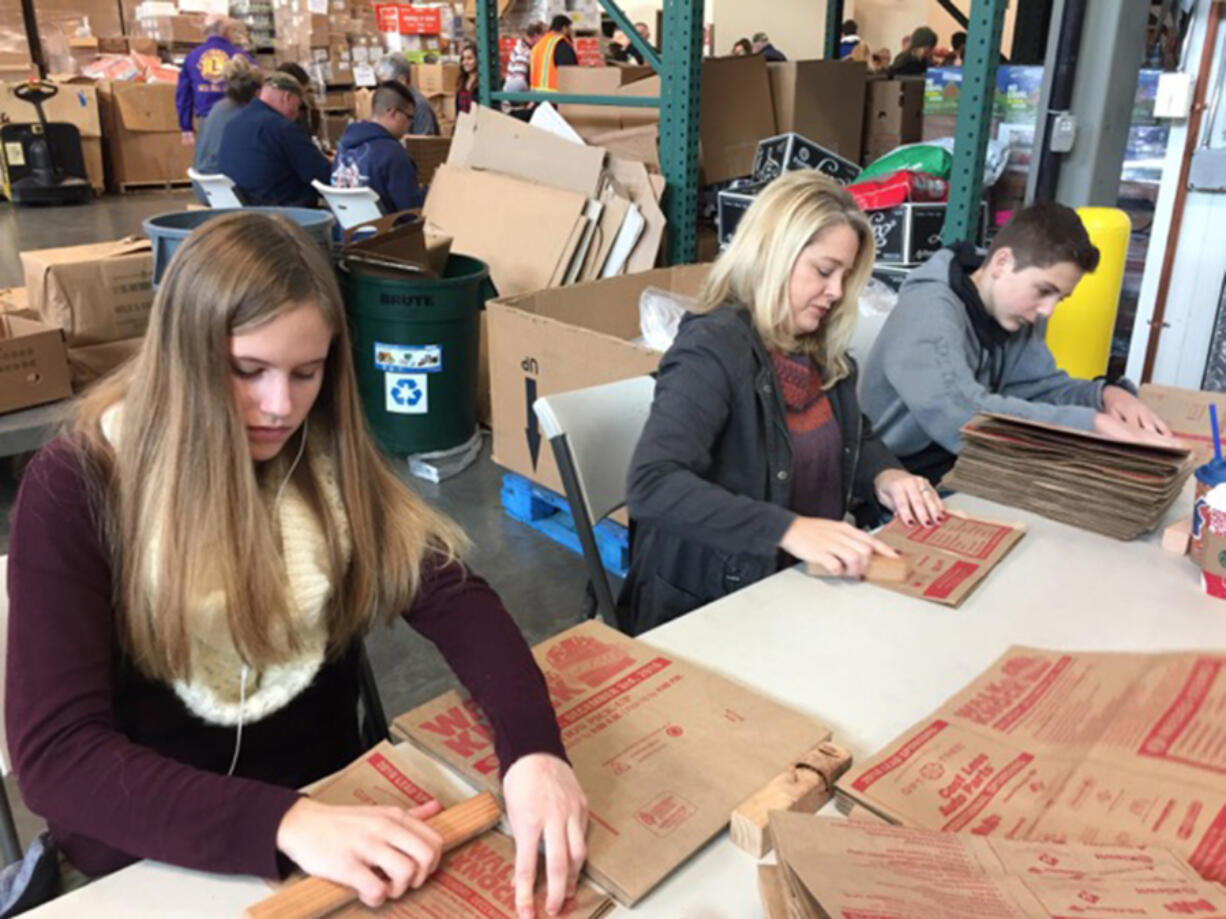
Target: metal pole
{"type": "Point", "coordinates": [488, 69]}
{"type": "Point", "coordinates": [974, 119]}
{"type": "Point", "coordinates": [834, 28]}
{"type": "Point", "coordinates": [1065, 71]}
{"type": "Point", "coordinates": [681, 82]}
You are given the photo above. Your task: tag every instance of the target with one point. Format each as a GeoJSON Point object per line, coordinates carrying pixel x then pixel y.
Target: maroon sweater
{"type": "Point", "coordinates": [121, 770]}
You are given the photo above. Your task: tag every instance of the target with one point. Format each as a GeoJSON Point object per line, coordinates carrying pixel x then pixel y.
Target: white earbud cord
{"type": "Point", "coordinates": [242, 685]}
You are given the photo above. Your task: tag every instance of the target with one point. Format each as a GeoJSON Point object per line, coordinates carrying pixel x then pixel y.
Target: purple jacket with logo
{"type": "Point", "coordinates": [200, 81]}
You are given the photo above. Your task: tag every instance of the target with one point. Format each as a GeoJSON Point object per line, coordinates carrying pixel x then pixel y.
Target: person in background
{"type": "Point", "coordinates": [519, 70]}
{"type": "Point", "coordinates": [393, 66]}
{"type": "Point", "coordinates": [958, 43]}
{"type": "Point", "coordinates": [370, 153]}
{"type": "Point", "coordinates": [193, 567]}
{"type": "Point", "coordinates": [850, 39]}
{"type": "Point", "coordinates": [645, 33]}
{"type": "Point", "coordinates": [466, 86]}
{"type": "Point", "coordinates": [242, 81]}
{"type": "Point", "coordinates": [967, 336]}
{"type": "Point", "coordinates": [619, 49]}
{"type": "Point", "coordinates": [742, 48]}
{"type": "Point", "coordinates": [880, 61]}
{"type": "Point", "coordinates": [917, 52]}
{"type": "Point", "coordinates": [304, 120]}
{"type": "Point", "coordinates": [201, 84]}
{"type": "Point", "coordinates": [762, 45]}
{"type": "Point", "coordinates": [555, 49]}
{"type": "Point", "coordinates": [859, 54]}
{"type": "Point", "coordinates": [269, 158]}
{"type": "Point", "coordinates": [755, 449]}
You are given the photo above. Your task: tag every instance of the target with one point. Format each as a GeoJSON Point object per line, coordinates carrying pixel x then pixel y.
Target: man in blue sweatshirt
{"type": "Point", "coordinates": [200, 81]}
{"type": "Point", "coordinates": [269, 157]}
{"type": "Point", "coordinates": [967, 336]}
{"type": "Point", "coordinates": [370, 153]}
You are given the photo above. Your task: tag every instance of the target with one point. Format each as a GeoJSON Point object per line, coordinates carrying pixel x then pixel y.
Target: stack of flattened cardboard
{"type": "Point", "coordinates": [543, 211]}
{"type": "Point", "coordinates": [474, 880]}
{"type": "Point", "coordinates": [664, 749]}
{"type": "Point", "coordinates": [1079, 478]}
{"type": "Point", "coordinates": [1048, 746]}
{"type": "Point", "coordinates": [844, 869]}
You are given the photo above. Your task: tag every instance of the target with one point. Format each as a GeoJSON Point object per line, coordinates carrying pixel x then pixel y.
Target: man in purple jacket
{"type": "Point", "coordinates": [200, 82]}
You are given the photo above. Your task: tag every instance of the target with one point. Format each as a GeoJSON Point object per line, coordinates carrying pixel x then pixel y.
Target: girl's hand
{"type": "Point", "coordinates": [348, 844]}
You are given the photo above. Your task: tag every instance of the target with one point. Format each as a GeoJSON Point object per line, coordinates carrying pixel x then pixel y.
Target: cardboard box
{"type": "Point", "coordinates": [589, 120]}
{"type": "Point", "coordinates": [1079, 747]}
{"type": "Point", "coordinates": [663, 749]}
{"type": "Point", "coordinates": [436, 79]}
{"type": "Point", "coordinates": [428, 153]}
{"type": "Point", "coordinates": [553, 341]}
{"type": "Point", "coordinates": [334, 100]}
{"type": "Point", "coordinates": [142, 132]}
{"type": "Point", "coordinates": [33, 363]}
{"type": "Point", "coordinates": [76, 104]}
{"type": "Point", "coordinates": [97, 293]}
{"type": "Point", "coordinates": [92, 362]}
{"type": "Point", "coordinates": [893, 116]}
{"type": "Point", "coordinates": [821, 100]}
{"type": "Point", "coordinates": [788, 152]}
{"type": "Point", "coordinates": [731, 205]}
{"type": "Point", "coordinates": [911, 233]}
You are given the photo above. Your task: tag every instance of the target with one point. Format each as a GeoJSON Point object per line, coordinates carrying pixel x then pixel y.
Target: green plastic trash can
{"type": "Point", "coordinates": [415, 345]}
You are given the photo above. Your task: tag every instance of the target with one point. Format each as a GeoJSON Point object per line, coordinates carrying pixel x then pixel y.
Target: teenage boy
{"type": "Point", "coordinates": [966, 336]}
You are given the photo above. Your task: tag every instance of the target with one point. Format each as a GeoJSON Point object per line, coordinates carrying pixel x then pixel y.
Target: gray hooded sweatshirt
{"type": "Point", "coordinates": [931, 369]}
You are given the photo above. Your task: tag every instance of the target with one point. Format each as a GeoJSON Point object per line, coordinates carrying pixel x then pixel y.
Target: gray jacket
{"type": "Point", "coordinates": [929, 371]}
{"type": "Point", "coordinates": [710, 482]}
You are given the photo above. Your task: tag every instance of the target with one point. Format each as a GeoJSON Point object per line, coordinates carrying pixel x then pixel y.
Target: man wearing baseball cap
{"type": "Point", "coordinates": [914, 60]}
{"type": "Point", "coordinates": [269, 157]}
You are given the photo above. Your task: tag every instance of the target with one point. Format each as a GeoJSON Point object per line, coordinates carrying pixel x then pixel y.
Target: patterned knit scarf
{"type": "Point", "coordinates": [215, 691]}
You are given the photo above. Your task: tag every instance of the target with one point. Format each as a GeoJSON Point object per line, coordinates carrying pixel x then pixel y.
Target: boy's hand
{"type": "Point", "coordinates": [1110, 426]}
{"type": "Point", "coordinates": [1121, 404]}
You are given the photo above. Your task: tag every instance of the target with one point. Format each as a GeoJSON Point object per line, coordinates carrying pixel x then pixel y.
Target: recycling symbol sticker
{"type": "Point", "coordinates": [407, 393]}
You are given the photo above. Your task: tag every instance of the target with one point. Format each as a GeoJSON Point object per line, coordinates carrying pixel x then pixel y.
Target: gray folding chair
{"type": "Point", "coordinates": [593, 433]}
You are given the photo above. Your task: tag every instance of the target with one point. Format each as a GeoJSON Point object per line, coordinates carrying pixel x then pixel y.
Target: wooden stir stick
{"type": "Point", "coordinates": [312, 897]}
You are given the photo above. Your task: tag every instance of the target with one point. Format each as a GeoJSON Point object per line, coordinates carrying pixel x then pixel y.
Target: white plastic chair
{"type": "Point", "coordinates": [593, 433]}
{"type": "Point", "coordinates": [351, 207]}
{"type": "Point", "coordinates": [218, 188]}
{"type": "Point", "coordinates": [9, 844]}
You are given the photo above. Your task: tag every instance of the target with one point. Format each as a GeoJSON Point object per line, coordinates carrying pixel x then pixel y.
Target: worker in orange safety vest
{"type": "Point", "coordinates": [555, 49]}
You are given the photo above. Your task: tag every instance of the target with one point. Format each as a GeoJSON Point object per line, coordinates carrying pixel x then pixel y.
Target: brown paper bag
{"type": "Point", "coordinates": [947, 561]}
{"type": "Point", "coordinates": [835, 868]}
{"type": "Point", "coordinates": [1103, 749]}
{"type": "Point", "coordinates": [476, 879]}
{"type": "Point", "coordinates": [664, 749]}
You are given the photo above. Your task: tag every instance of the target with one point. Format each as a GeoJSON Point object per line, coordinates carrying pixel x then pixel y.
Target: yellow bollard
{"type": "Point", "coordinates": [1079, 332]}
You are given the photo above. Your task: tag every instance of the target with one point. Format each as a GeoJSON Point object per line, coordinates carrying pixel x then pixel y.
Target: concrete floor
{"type": "Point", "coordinates": [540, 582]}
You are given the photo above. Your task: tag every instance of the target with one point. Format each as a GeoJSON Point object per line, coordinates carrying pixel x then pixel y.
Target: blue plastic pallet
{"type": "Point", "coordinates": [548, 513]}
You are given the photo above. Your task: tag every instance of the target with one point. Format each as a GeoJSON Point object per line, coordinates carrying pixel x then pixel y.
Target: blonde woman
{"type": "Point", "coordinates": [193, 566]}
{"type": "Point", "coordinates": [755, 449]}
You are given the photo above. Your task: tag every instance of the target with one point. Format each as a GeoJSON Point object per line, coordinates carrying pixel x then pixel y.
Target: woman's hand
{"type": "Point", "coordinates": [348, 844]}
{"type": "Point", "coordinates": [911, 497]}
{"type": "Point", "coordinates": [544, 801]}
{"type": "Point", "coordinates": [837, 546]}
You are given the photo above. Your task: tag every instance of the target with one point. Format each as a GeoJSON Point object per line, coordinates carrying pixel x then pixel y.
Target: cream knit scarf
{"type": "Point", "coordinates": [215, 691]}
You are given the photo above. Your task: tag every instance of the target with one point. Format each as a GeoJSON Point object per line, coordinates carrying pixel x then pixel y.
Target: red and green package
{"type": "Point", "coordinates": [926, 158]}
{"type": "Point", "coordinates": [880, 193]}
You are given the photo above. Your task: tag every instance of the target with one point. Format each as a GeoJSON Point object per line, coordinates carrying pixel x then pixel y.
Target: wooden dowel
{"type": "Point", "coordinates": [881, 569]}
{"type": "Point", "coordinates": [312, 897]}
